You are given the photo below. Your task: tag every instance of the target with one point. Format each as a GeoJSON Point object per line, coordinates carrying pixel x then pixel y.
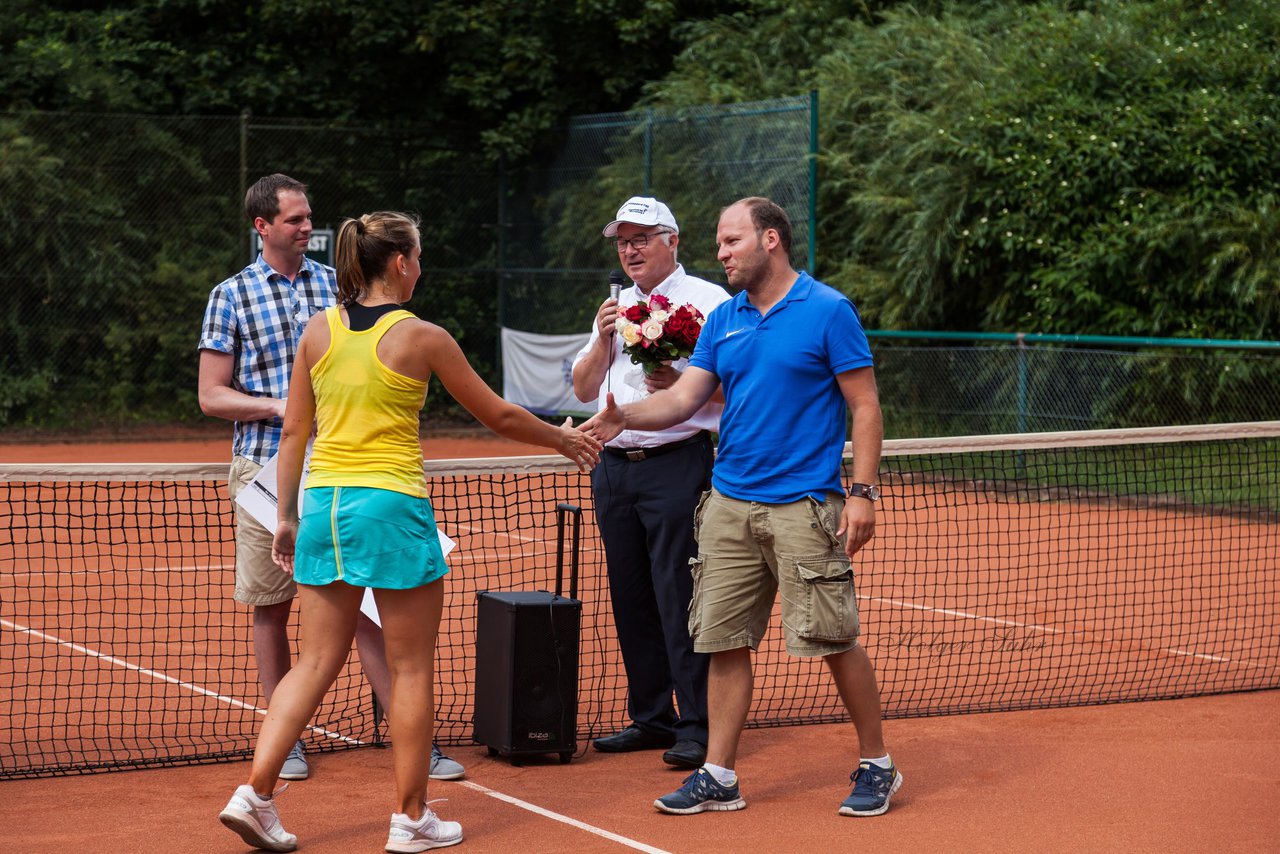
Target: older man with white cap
{"type": "Point", "coordinates": [647, 487]}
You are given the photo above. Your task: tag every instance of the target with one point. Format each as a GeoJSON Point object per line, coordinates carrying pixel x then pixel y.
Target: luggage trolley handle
{"type": "Point", "coordinates": [563, 510]}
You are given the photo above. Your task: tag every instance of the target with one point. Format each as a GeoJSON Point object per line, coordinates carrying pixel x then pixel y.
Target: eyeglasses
{"type": "Point", "coordinates": [640, 241]}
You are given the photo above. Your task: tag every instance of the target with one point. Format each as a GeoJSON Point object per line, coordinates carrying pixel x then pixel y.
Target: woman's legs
{"type": "Point", "coordinates": [410, 624]}
{"type": "Point", "coordinates": [326, 627]}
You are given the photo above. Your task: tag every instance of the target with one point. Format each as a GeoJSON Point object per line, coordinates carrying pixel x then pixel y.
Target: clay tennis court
{"type": "Point", "coordinates": [1131, 776]}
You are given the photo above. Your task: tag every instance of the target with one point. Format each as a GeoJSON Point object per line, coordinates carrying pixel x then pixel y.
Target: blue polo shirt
{"type": "Point", "coordinates": [783, 429]}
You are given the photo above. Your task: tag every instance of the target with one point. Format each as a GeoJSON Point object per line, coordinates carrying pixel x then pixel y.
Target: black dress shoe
{"type": "Point", "coordinates": [634, 738]}
{"type": "Point", "coordinates": [686, 754]}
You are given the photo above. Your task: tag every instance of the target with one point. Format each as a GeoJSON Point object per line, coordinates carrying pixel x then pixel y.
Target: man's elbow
{"type": "Point", "coordinates": [207, 405]}
{"type": "Point", "coordinates": [583, 389]}
{"type": "Point", "coordinates": [211, 403]}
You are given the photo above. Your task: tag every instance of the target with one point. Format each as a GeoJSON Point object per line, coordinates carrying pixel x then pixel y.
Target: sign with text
{"type": "Point", "coordinates": [319, 248]}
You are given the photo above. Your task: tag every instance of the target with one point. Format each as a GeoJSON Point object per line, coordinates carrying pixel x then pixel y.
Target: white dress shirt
{"type": "Point", "coordinates": [626, 379]}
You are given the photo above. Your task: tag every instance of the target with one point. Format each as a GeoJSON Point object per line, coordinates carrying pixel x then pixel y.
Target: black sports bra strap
{"type": "Point", "coordinates": [364, 317]}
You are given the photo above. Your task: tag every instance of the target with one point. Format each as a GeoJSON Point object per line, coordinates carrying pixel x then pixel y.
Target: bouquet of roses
{"type": "Point", "coordinates": [654, 334]}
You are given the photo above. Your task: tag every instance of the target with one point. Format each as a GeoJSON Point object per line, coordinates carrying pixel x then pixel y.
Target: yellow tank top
{"type": "Point", "coordinates": [366, 414]}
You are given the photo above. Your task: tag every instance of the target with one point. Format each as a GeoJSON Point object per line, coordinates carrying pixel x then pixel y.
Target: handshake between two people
{"type": "Point", "coordinates": [583, 444]}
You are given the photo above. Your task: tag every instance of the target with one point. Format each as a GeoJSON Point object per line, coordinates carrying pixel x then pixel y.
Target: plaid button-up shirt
{"type": "Point", "coordinates": [257, 316]}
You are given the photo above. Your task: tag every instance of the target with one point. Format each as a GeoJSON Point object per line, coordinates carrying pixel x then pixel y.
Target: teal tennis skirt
{"type": "Point", "coordinates": [367, 537]}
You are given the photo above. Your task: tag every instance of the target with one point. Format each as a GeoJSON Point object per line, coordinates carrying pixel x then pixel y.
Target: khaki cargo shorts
{"type": "Point", "coordinates": [258, 580]}
{"type": "Point", "coordinates": [747, 552]}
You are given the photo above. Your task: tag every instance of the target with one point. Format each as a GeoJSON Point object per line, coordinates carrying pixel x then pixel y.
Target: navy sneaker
{"type": "Point", "coordinates": [872, 788]}
{"type": "Point", "coordinates": [700, 793]}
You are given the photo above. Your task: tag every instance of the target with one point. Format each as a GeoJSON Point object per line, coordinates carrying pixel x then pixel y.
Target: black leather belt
{"type": "Point", "coordinates": [638, 454]}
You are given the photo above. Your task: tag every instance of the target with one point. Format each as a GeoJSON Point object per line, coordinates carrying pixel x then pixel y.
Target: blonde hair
{"type": "Point", "coordinates": [366, 245]}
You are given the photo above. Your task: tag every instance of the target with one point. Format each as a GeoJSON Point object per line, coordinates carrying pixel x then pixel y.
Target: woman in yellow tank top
{"type": "Point", "coordinates": [361, 376]}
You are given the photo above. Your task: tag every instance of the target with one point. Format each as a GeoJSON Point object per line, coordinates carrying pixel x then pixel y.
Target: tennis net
{"type": "Point", "coordinates": [1011, 572]}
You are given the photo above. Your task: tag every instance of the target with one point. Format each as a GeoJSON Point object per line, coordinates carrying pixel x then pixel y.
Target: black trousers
{"type": "Point", "coordinates": [644, 509]}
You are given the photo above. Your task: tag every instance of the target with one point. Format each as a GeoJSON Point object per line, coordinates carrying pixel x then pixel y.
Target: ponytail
{"type": "Point", "coordinates": [346, 257]}
{"type": "Point", "coordinates": [365, 246]}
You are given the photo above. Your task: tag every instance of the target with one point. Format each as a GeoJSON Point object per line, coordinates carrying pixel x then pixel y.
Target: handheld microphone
{"type": "Point", "coordinates": [615, 289]}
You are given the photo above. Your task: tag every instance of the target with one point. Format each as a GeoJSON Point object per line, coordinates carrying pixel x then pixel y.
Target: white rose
{"type": "Point", "coordinates": [651, 329]}
{"type": "Point", "coordinates": [659, 315]}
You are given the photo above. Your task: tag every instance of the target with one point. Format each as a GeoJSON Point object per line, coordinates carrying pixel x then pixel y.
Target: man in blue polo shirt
{"type": "Point", "coordinates": [791, 356]}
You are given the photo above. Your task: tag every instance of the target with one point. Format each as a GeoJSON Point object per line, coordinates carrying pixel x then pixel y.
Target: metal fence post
{"type": "Point", "coordinates": [813, 182]}
{"type": "Point", "coordinates": [648, 152]}
{"type": "Point", "coordinates": [1022, 382]}
{"type": "Point", "coordinates": [244, 181]}
{"type": "Point", "coordinates": [500, 273]}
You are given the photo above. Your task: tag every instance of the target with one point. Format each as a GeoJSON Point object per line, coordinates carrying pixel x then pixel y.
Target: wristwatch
{"type": "Point", "coordinates": [869, 491]}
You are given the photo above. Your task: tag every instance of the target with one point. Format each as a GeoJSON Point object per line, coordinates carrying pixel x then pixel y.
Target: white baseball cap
{"type": "Point", "coordinates": [642, 210]}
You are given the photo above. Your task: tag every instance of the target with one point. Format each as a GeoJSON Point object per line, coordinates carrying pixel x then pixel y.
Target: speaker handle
{"type": "Point", "coordinates": [562, 510]}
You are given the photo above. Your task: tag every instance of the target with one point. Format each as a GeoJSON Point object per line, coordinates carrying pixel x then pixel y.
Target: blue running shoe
{"type": "Point", "coordinates": [700, 793]}
{"type": "Point", "coordinates": [295, 764]}
{"type": "Point", "coordinates": [443, 767]}
{"type": "Point", "coordinates": [872, 788]}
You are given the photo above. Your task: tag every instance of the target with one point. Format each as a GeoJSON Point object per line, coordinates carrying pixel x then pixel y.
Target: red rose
{"type": "Point", "coordinates": [682, 328]}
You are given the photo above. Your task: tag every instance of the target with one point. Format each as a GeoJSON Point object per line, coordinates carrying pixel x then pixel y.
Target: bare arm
{"type": "Point", "coordinates": [447, 361]}
{"type": "Point", "coordinates": [859, 389]}
{"type": "Point", "coordinates": [666, 376]}
{"type": "Point", "coordinates": [589, 372]}
{"type": "Point", "coordinates": [660, 410]}
{"type": "Point", "coordinates": [220, 400]}
{"type": "Point", "coordinates": [299, 415]}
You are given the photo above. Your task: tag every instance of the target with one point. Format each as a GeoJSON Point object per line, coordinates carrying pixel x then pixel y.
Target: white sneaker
{"type": "Point", "coordinates": [424, 834]}
{"type": "Point", "coordinates": [256, 821]}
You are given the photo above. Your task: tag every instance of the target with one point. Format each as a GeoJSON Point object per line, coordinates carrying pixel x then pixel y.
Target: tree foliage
{"type": "Point", "coordinates": [491, 72]}
{"type": "Point", "coordinates": [1076, 166]}
{"type": "Point", "coordinates": [1103, 167]}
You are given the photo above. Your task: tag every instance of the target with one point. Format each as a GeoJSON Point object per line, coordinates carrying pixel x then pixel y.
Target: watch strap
{"type": "Point", "coordinates": [871, 492]}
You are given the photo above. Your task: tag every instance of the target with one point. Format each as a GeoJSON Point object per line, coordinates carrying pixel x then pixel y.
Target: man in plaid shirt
{"type": "Point", "coordinates": [250, 335]}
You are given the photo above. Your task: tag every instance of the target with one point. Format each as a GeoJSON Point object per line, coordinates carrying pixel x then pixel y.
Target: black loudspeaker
{"type": "Point", "coordinates": [527, 673]}
{"type": "Point", "coordinates": [526, 682]}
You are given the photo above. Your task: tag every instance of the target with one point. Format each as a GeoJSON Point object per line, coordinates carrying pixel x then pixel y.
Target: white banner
{"type": "Point", "coordinates": [537, 372]}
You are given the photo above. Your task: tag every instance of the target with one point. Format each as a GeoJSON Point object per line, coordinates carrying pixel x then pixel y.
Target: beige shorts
{"type": "Point", "coordinates": [258, 580]}
{"type": "Point", "coordinates": [747, 552]}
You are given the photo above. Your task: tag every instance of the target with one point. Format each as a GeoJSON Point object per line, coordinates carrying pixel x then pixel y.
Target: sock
{"type": "Point", "coordinates": [723, 776]}
{"type": "Point", "coordinates": [880, 761]}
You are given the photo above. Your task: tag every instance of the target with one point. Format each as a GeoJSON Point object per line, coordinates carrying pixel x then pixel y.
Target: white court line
{"type": "Point", "coordinates": [461, 559]}
{"type": "Point", "coordinates": [485, 557]}
{"type": "Point", "coordinates": [100, 571]}
{"type": "Point", "coordinates": [966, 615]}
{"type": "Point", "coordinates": [474, 530]}
{"type": "Point", "coordinates": [480, 532]}
{"type": "Point", "coordinates": [1047, 629]}
{"type": "Point", "coordinates": [555, 816]}
{"type": "Point", "coordinates": [195, 689]}
{"type": "Point", "coordinates": [1199, 655]}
